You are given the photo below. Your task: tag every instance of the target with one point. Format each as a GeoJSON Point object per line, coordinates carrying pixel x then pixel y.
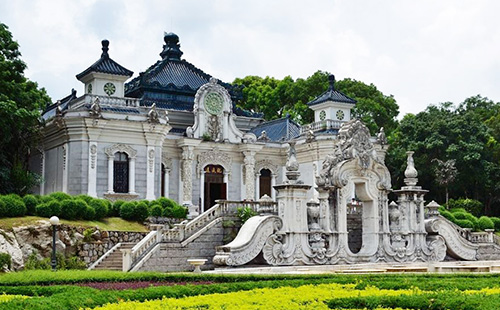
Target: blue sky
{"type": "Point", "coordinates": [421, 52]}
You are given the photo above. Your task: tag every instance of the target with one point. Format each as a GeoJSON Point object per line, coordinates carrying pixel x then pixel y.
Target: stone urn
{"type": "Point", "coordinates": [313, 215]}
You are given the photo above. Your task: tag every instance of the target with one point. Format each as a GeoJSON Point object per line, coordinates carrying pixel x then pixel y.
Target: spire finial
{"type": "Point", "coordinates": [331, 80]}
{"type": "Point", "coordinates": [105, 48]}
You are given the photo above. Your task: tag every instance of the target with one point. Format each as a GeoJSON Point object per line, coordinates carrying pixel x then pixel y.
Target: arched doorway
{"type": "Point", "coordinates": [215, 188]}
{"type": "Point", "coordinates": [265, 183]}
{"type": "Point", "coordinates": [120, 173]}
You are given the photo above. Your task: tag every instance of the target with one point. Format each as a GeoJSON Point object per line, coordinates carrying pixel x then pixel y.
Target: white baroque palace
{"type": "Point", "coordinates": [321, 190]}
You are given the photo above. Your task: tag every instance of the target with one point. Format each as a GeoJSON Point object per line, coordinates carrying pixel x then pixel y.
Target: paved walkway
{"type": "Point", "coordinates": [441, 267]}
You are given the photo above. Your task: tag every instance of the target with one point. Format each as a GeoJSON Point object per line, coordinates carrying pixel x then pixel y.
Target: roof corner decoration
{"type": "Point", "coordinates": [331, 95]}
{"type": "Point", "coordinates": [213, 116]}
{"type": "Point", "coordinates": [105, 65]}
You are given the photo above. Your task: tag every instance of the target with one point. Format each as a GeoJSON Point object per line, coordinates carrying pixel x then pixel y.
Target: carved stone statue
{"type": "Point", "coordinates": [381, 138]}
{"type": "Point", "coordinates": [153, 116]}
{"type": "Point", "coordinates": [95, 109]}
{"type": "Point", "coordinates": [263, 137]}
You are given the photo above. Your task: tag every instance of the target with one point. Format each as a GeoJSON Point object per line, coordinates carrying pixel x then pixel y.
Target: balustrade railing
{"type": "Point", "coordinates": [322, 125]}
{"type": "Point", "coordinates": [115, 101]}
{"type": "Point", "coordinates": [132, 256]}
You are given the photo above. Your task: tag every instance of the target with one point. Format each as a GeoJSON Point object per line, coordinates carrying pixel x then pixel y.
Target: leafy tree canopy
{"type": "Point", "coordinates": [20, 105]}
{"type": "Point", "coordinates": [276, 98]}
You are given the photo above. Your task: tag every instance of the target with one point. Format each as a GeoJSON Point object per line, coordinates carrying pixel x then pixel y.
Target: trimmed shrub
{"type": "Point", "coordinates": [89, 214]}
{"type": "Point", "coordinates": [156, 210]}
{"type": "Point", "coordinates": [30, 201]}
{"type": "Point", "coordinates": [81, 208]}
{"type": "Point", "coordinates": [168, 212]}
{"type": "Point", "coordinates": [45, 199]}
{"type": "Point", "coordinates": [455, 210]}
{"type": "Point", "coordinates": [470, 205]}
{"type": "Point", "coordinates": [449, 216]}
{"type": "Point", "coordinates": [115, 210]}
{"type": "Point", "coordinates": [141, 212]}
{"type": "Point", "coordinates": [485, 222]}
{"type": "Point", "coordinates": [60, 196]}
{"type": "Point", "coordinates": [496, 221]}
{"type": "Point", "coordinates": [86, 198]}
{"type": "Point", "coordinates": [109, 206]}
{"type": "Point", "coordinates": [100, 207]}
{"type": "Point", "coordinates": [127, 211]}
{"type": "Point", "coordinates": [465, 224]}
{"type": "Point", "coordinates": [460, 215]}
{"type": "Point", "coordinates": [179, 212]}
{"type": "Point", "coordinates": [48, 209]}
{"type": "Point", "coordinates": [166, 203]}
{"type": "Point", "coordinates": [14, 205]}
{"type": "Point", "coordinates": [3, 208]}
{"type": "Point", "coordinates": [472, 218]}
{"type": "Point", "coordinates": [68, 209]}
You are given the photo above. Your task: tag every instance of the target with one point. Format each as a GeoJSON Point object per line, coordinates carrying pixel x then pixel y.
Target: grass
{"type": "Point", "coordinates": [111, 223]}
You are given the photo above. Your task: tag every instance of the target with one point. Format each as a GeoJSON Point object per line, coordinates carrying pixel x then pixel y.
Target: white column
{"type": "Point", "coordinates": [42, 173]}
{"type": "Point", "coordinates": [225, 129]}
{"type": "Point", "coordinates": [65, 168]}
{"type": "Point", "coordinates": [110, 174]}
{"type": "Point", "coordinates": [202, 191]}
{"type": "Point", "coordinates": [131, 176]}
{"type": "Point", "coordinates": [150, 174]}
{"type": "Point", "coordinates": [166, 176]}
{"type": "Point", "coordinates": [92, 177]}
{"type": "Point", "coordinates": [273, 183]}
{"type": "Point", "coordinates": [257, 186]}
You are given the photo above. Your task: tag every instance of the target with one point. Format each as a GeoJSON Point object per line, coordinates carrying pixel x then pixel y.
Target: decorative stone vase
{"type": "Point", "coordinates": [313, 215]}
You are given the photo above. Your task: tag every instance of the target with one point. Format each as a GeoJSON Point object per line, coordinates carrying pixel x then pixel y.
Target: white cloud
{"type": "Point", "coordinates": [420, 51]}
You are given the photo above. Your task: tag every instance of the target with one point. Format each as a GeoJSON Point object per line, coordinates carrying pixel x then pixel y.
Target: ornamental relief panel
{"type": "Point", "coordinates": [166, 161]}
{"type": "Point", "coordinates": [119, 147]}
{"type": "Point", "coordinates": [214, 157]}
{"type": "Point", "coordinates": [266, 164]}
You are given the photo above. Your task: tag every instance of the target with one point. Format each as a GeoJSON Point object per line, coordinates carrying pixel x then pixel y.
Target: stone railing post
{"type": "Point", "coordinates": [432, 209]}
{"type": "Point", "coordinates": [127, 259]}
{"type": "Point", "coordinates": [490, 233]}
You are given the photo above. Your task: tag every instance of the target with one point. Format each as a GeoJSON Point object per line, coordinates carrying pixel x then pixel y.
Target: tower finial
{"type": "Point", "coordinates": [105, 48]}
{"type": "Point", "coordinates": [331, 80]}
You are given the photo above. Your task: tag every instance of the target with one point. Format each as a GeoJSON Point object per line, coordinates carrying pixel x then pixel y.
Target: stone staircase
{"type": "Point", "coordinates": [131, 256]}
{"type": "Point", "coordinates": [113, 259]}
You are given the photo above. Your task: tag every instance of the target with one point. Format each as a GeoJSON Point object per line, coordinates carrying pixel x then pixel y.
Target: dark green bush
{"type": "Point", "coordinates": [473, 219]}
{"type": "Point", "coordinates": [116, 207]}
{"type": "Point", "coordinates": [3, 208]}
{"type": "Point", "coordinates": [127, 211]}
{"type": "Point", "coordinates": [81, 207]}
{"type": "Point", "coordinates": [156, 210]}
{"type": "Point", "coordinates": [141, 211]}
{"type": "Point", "coordinates": [100, 207]}
{"type": "Point", "coordinates": [453, 210]}
{"type": "Point", "coordinates": [69, 209]}
{"type": "Point", "coordinates": [45, 199]}
{"type": "Point", "coordinates": [166, 203]}
{"type": "Point", "coordinates": [496, 221]}
{"type": "Point", "coordinates": [465, 224]}
{"type": "Point", "coordinates": [460, 215]}
{"type": "Point", "coordinates": [168, 212]}
{"type": "Point", "coordinates": [34, 263]}
{"type": "Point", "coordinates": [245, 213]}
{"type": "Point", "coordinates": [30, 201]}
{"type": "Point", "coordinates": [48, 209]}
{"type": "Point", "coordinates": [448, 215]}
{"type": "Point", "coordinates": [86, 198]}
{"type": "Point", "coordinates": [14, 205]}
{"type": "Point", "coordinates": [89, 214]}
{"type": "Point", "coordinates": [109, 206]}
{"type": "Point", "coordinates": [485, 222]}
{"type": "Point", "coordinates": [470, 205]}
{"type": "Point", "coordinates": [179, 212]}
{"type": "Point", "coordinates": [5, 261]}
{"type": "Point", "coordinates": [60, 196]}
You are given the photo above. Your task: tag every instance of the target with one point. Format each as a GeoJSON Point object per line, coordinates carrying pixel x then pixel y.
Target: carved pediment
{"type": "Point", "coordinates": [214, 157]}
{"type": "Point", "coordinates": [120, 147]}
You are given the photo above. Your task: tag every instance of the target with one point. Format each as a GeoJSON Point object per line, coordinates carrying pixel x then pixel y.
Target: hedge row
{"type": "Point", "coordinates": [465, 219]}
{"type": "Point", "coordinates": [87, 208]}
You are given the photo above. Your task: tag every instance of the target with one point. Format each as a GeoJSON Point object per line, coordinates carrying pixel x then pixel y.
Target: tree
{"type": "Point", "coordinates": [20, 105]}
{"type": "Point", "coordinates": [276, 98]}
{"type": "Point", "coordinates": [445, 173]}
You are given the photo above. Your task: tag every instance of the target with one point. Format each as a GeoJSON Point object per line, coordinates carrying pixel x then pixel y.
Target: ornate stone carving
{"type": "Point", "coordinates": [151, 159]}
{"type": "Point", "coordinates": [119, 147]}
{"type": "Point", "coordinates": [214, 157]}
{"type": "Point", "coordinates": [410, 172]}
{"type": "Point", "coordinates": [166, 161]}
{"type": "Point", "coordinates": [263, 137]}
{"type": "Point", "coordinates": [95, 109]}
{"type": "Point", "coordinates": [249, 162]}
{"type": "Point", "coordinates": [381, 138]}
{"type": "Point", "coordinates": [187, 173]}
{"type": "Point", "coordinates": [93, 155]}
{"type": "Point", "coordinates": [214, 127]}
{"type": "Point", "coordinates": [292, 166]}
{"type": "Point", "coordinates": [153, 115]}
{"type": "Point", "coordinates": [64, 149]}
{"type": "Point", "coordinates": [266, 164]}
{"type": "Point", "coordinates": [59, 119]}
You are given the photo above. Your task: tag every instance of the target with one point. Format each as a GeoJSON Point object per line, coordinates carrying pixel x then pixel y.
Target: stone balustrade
{"type": "Point", "coordinates": [322, 125]}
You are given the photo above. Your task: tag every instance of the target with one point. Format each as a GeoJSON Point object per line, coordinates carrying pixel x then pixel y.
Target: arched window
{"type": "Point", "coordinates": [265, 183]}
{"type": "Point", "coordinates": [120, 173]}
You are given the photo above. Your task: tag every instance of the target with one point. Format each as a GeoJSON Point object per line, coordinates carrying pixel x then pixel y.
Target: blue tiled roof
{"type": "Point", "coordinates": [106, 64]}
{"type": "Point", "coordinates": [331, 95]}
{"type": "Point", "coordinates": [278, 130]}
{"type": "Point", "coordinates": [50, 111]}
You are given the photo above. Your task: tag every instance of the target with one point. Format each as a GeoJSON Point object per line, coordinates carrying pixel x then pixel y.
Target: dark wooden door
{"type": "Point", "coordinates": [265, 183]}
{"type": "Point", "coordinates": [120, 176]}
{"type": "Point", "coordinates": [215, 188]}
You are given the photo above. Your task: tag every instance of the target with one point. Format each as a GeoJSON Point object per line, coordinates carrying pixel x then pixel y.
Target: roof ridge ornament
{"type": "Point", "coordinates": [331, 81]}
{"type": "Point", "coordinates": [105, 48]}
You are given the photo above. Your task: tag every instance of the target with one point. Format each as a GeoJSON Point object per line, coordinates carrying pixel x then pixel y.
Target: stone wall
{"type": "Point", "coordinates": [89, 252]}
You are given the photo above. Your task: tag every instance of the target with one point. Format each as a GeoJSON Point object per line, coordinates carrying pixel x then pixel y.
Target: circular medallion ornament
{"type": "Point", "coordinates": [214, 103]}
{"type": "Point", "coordinates": [89, 89]}
{"type": "Point", "coordinates": [340, 115]}
{"type": "Point", "coordinates": [322, 115]}
{"type": "Point", "coordinates": [109, 88]}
